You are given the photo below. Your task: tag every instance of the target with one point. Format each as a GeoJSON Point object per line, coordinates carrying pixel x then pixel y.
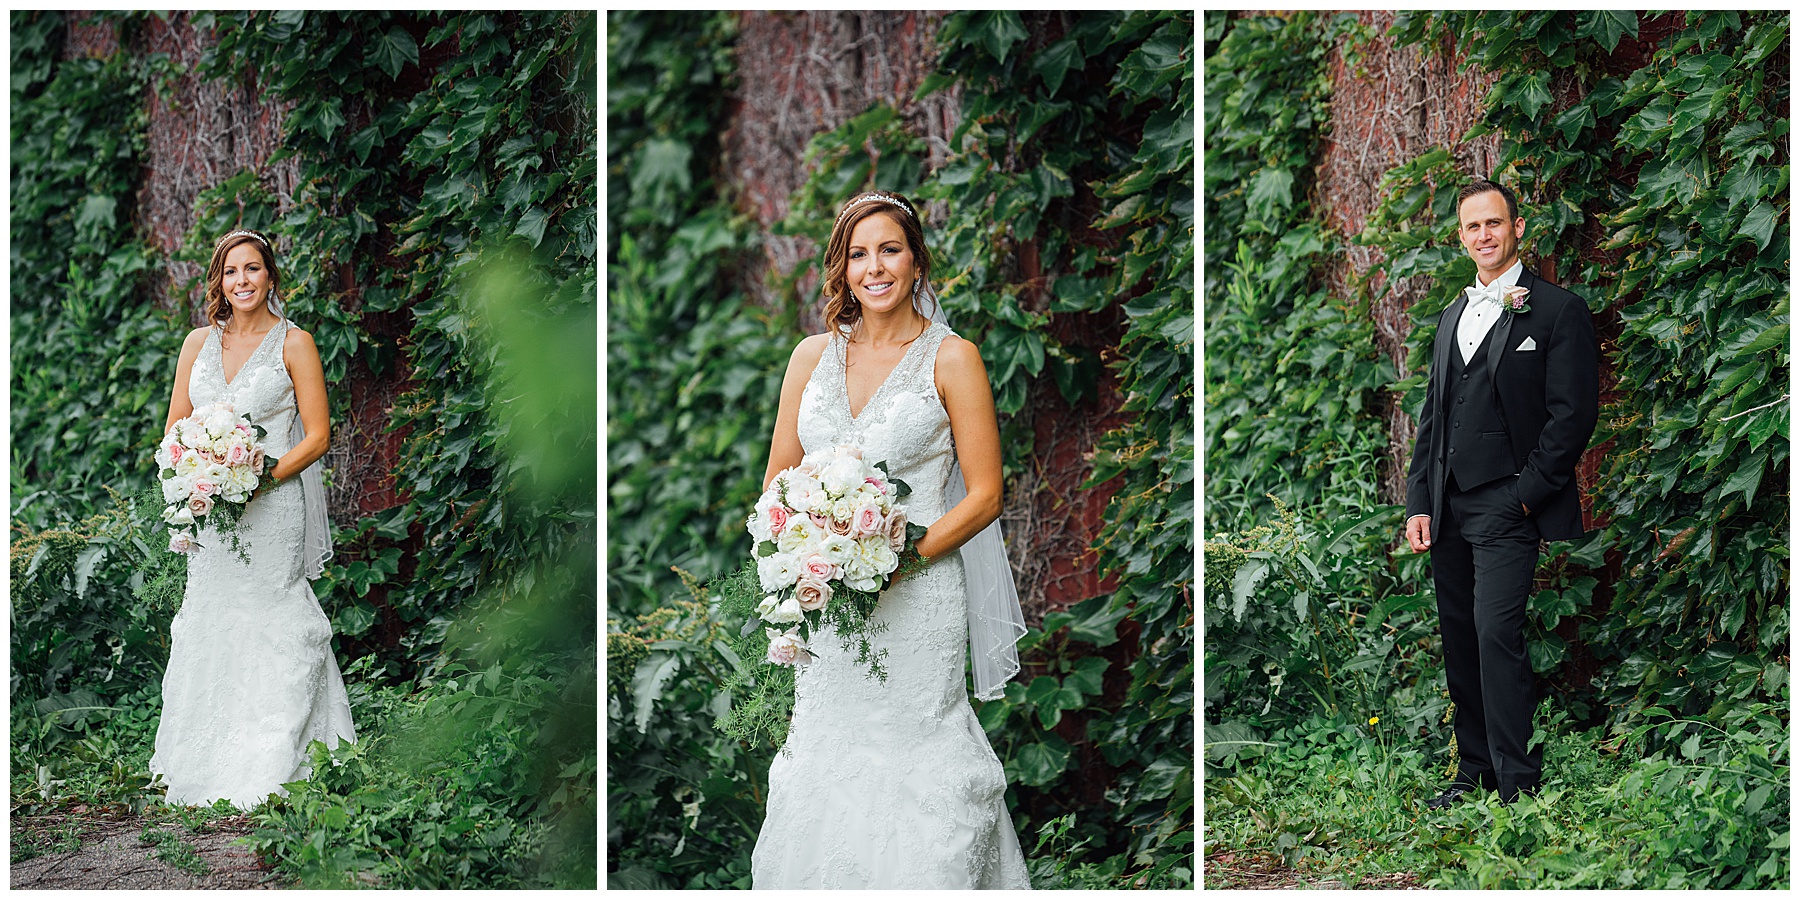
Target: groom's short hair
{"type": "Point", "coordinates": [1482, 186]}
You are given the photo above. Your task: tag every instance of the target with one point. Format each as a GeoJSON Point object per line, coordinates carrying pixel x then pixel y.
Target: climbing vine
{"type": "Point", "coordinates": [1066, 249]}
{"type": "Point", "coordinates": [442, 235]}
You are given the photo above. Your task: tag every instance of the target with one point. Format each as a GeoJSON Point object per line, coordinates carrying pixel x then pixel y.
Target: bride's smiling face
{"type": "Point", "coordinates": [246, 278]}
{"type": "Point", "coordinates": [879, 267]}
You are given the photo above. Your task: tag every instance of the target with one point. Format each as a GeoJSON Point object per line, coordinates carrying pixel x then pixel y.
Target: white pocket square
{"type": "Point", "coordinates": [1528, 344]}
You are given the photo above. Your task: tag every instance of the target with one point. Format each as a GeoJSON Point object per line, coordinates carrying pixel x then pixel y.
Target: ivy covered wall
{"type": "Point", "coordinates": [1052, 153]}
{"type": "Point", "coordinates": [1651, 163]}
{"type": "Point", "coordinates": [429, 180]}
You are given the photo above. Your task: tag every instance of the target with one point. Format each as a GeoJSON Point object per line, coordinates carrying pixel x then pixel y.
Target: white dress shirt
{"type": "Point", "coordinates": [1479, 318]}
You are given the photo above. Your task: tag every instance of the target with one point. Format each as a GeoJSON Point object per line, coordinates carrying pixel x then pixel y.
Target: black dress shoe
{"type": "Point", "coordinates": [1450, 795]}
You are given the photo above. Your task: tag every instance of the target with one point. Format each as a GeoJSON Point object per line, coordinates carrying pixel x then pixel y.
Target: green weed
{"type": "Point", "coordinates": [1608, 817]}
{"type": "Point", "coordinates": [170, 848]}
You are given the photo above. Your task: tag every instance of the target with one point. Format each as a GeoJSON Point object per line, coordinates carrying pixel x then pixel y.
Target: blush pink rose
{"type": "Point", "coordinates": [182, 542]}
{"type": "Point", "coordinates": [812, 593]}
{"type": "Point", "coordinates": [840, 526]}
{"type": "Point", "coordinates": [869, 520]}
{"type": "Point", "coordinates": [820, 519]}
{"type": "Point", "coordinates": [896, 530]}
{"type": "Point", "coordinates": [176, 452]}
{"type": "Point", "coordinates": [200, 505]}
{"type": "Point", "coordinates": [819, 568]}
{"type": "Point", "coordinates": [257, 458]}
{"type": "Point", "coordinates": [778, 518]}
{"type": "Point", "coordinates": [237, 455]}
{"type": "Point", "coordinates": [205, 486]}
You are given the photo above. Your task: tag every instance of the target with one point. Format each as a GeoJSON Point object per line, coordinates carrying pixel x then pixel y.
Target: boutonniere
{"type": "Point", "coordinates": [1515, 299]}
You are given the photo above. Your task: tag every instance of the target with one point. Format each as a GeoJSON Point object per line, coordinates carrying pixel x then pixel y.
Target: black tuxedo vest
{"type": "Point", "coordinates": [1479, 451]}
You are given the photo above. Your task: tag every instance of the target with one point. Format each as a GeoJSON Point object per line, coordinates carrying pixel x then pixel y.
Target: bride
{"type": "Point", "coordinates": [251, 679]}
{"type": "Point", "coordinates": [892, 784]}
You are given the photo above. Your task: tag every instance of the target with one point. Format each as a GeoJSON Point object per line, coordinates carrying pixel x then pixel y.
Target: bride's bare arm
{"type": "Point", "coordinates": [180, 405]}
{"type": "Point", "coordinates": [963, 386]}
{"type": "Point", "coordinates": [308, 375]}
{"type": "Point", "coordinates": [784, 449]}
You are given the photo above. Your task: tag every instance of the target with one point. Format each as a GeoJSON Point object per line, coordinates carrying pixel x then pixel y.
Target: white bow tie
{"type": "Point", "coordinates": [1493, 293]}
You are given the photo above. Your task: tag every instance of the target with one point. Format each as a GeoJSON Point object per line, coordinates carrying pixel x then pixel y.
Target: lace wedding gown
{"type": "Point", "coordinates": [251, 679]}
{"type": "Point", "coordinates": [890, 785]}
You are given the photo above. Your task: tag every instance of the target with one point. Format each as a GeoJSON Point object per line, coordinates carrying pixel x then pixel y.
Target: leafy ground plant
{"type": "Point", "coordinates": [1332, 803]}
{"type": "Point", "coordinates": [170, 848]}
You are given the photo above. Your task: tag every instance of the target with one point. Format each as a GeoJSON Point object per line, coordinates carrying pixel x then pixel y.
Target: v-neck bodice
{"type": "Point", "coordinates": [261, 387]}
{"type": "Point", "coordinates": [903, 423]}
{"type": "Point", "coordinates": [219, 330]}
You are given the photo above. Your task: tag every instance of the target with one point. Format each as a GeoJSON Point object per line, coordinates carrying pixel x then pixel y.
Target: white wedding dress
{"type": "Point", "coordinates": [251, 679]}
{"type": "Point", "coordinates": [890, 785]}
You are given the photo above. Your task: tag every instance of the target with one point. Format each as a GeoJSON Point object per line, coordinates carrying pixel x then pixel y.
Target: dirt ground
{"type": "Point", "coordinates": [106, 851]}
{"type": "Point", "coordinates": [1250, 871]}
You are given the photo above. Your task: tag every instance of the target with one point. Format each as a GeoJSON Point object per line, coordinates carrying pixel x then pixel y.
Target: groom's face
{"type": "Point", "coordinates": [1490, 239]}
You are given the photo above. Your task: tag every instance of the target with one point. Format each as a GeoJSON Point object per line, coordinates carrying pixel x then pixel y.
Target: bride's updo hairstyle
{"type": "Point", "coordinates": [218, 309]}
{"type": "Point", "coordinates": [841, 307]}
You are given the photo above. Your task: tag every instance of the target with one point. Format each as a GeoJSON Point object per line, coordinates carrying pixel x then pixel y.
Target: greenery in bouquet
{"type": "Point", "coordinates": [210, 465]}
{"type": "Point", "coordinates": [830, 538]}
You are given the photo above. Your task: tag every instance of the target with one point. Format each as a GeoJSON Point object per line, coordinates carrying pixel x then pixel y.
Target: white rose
{"type": "Point", "coordinates": [758, 528]}
{"type": "Point", "coordinates": [767, 607]}
{"type": "Point", "coordinates": [178, 515]}
{"type": "Point", "coordinates": [787, 613]}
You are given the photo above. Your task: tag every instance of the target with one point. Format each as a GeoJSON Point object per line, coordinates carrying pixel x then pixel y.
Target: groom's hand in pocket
{"type": "Point", "coordinates": [1418, 533]}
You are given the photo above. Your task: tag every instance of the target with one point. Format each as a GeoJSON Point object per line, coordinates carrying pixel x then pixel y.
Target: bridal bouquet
{"type": "Point", "coordinates": [209, 465]}
{"type": "Point", "coordinates": [831, 535]}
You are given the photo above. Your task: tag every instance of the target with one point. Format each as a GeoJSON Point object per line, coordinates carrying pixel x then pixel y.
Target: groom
{"type": "Point", "coordinates": [1511, 403]}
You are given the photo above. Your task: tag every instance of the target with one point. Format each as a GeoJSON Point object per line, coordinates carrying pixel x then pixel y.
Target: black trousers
{"type": "Point", "coordinates": [1483, 555]}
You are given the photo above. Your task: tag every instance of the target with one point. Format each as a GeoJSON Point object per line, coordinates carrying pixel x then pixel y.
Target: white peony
{"type": "Point", "coordinates": [838, 548]}
{"type": "Point", "coordinates": [778, 571]}
{"type": "Point", "coordinates": [801, 534]}
{"type": "Point", "coordinates": [843, 475]}
{"type": "Point", "coordinates": [189, 466]}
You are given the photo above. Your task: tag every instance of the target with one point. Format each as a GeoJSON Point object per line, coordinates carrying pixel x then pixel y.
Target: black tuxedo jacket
{"type": "Point", "coordinates": [1548, 398]}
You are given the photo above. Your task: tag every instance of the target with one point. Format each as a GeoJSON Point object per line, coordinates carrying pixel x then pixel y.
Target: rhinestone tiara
{"type": "Point", "coordinates": [884, 198]}
{"type": "Point", "coordinates": [233, 234]}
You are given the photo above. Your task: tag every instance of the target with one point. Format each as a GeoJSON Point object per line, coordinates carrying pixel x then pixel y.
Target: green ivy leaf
{"type": "Point", "coordinates": [1759, 224]}
{"type": "Point", "coordinates": [1042, 762]}
{"type": "Point", "coordinates": [531, 225]}
{"type": "Point", "coordinates": [1606, 27]}
{"type": "Point", "coordinates": [392, 50]}
{"type": "Point", "coordinates": [1053, 63]}
{"type": "Point", "coordinates": [999, 31]}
